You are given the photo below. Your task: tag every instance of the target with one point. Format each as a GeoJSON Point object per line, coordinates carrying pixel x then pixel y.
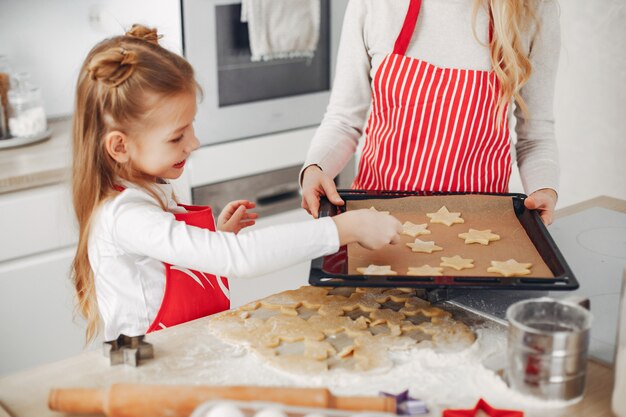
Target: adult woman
{"type": "Point", "coordinates": [439, 93]}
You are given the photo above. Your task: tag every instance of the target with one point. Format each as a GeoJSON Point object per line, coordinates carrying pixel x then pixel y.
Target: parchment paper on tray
{"type": "Point", "coordinates": [479, 212]}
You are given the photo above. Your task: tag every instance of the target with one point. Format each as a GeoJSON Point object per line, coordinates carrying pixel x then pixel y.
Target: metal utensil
{"type": "Point", "coordinates": [547, 348]}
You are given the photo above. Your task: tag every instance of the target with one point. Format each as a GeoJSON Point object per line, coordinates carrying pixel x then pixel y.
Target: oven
{"type": "Point", "coordinates": [243, 98]}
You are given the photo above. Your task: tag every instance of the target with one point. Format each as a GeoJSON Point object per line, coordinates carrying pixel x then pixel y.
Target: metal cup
{"type": "Point", "coordinates": [547, 348]}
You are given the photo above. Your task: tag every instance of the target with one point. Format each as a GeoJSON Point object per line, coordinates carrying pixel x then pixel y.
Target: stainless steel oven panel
{"type": "Point", "coordinates": [273, 192]}
{"type": "Point", "coordinates": [216, 124]}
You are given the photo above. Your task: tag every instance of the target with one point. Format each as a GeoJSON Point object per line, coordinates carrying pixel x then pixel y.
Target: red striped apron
{"type": "Point", "coordinates": [433, 128]}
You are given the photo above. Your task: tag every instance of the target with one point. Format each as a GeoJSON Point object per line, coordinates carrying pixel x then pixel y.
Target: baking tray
{"type": "Point", "coordinates": [332, 270]}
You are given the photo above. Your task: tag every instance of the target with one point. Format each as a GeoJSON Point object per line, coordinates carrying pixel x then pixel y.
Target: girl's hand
{"type": "Point", "coordinates": [235, 216]}
{"type": "Point", "coordinates": [543, 200]}
{"type": "Point", "coordinates": [316, 183]}
{"type": "Point", "coordinates": [370, 229]}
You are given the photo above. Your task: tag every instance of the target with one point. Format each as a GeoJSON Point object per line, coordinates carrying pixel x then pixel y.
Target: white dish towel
{"type": "Point", "coordinates": [282, 28]}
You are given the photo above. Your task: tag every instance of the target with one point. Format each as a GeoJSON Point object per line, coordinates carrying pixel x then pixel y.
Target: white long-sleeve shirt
{"type": "Point", "coordinates": [443, 36]}
{"type": "Point", "coordinates": [131, 237]}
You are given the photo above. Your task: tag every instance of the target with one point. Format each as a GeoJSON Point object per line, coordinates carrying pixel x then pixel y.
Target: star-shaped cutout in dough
{"type": "Point", "coordinates": [414, 230]}
{"type": "Point", "coordinates": [377, 270]}
{"type": "Point", "coordinates": [443, 216]}
{"type": "Point", "coordinates": [509, 268]}
{"type": "Point", "coordinates": [457, 262]}
{"type": "Point", "coordinates": [287, 328]}
{"type": "Point", "coordinates": [374, 209]}
{"type": "Point", "coordinates": [425, 270]}
{"type": "Point", "coordinates": [479, 236]}
{"type": "Point", "coordinates": [422, 246]}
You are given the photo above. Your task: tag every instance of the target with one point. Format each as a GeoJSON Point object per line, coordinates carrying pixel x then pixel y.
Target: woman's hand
{"type": "Point", "coordinates": [371, 229]}
{"type": "Point", "coordinates": [316, 183]}
{"type": "Point", "coordinates": [235, 216]}
{"type": "Point", "coordinates": [543, 200]}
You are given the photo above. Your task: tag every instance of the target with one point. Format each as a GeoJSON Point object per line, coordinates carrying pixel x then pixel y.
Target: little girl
{"type": "Point", "coordinates": [140, 253]}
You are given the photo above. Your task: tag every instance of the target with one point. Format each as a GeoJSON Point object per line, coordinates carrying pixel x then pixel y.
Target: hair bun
{"type": "Point", "coordinates": [113, 66]}
{"type": "Point", "coordinates": [142, 32]}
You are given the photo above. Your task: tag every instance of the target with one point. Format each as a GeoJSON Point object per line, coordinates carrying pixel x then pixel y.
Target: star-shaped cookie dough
{"type": "Point", "coordinates": [425, 270]}
{"type": "Point", "coordinates": [509, 268]}
{"type": "Point", "coordinates": [443, 216]}
{"type": "Point", "coordinates": [318, 350]}
{"type": "Point", "coordinates": [422, 246]}
{"type": "Point", "coordinates": [479, 236]}
{"type": "Point", "coordinates": [377, 270]}
{"type": "Point", "coordinates": [414, 230]}
{"type": "Point", "coordinates": [365, 324]}
{"type": "Point", "coordinates": [456, 262]}
{"type": "Point", "coordinates": [374, 209]}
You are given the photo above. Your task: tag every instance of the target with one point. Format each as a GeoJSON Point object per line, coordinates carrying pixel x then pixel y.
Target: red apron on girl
{"type": "Point", "coordinates": [190, 294]}
{"type": "Point", "coordinates": [433, 128]}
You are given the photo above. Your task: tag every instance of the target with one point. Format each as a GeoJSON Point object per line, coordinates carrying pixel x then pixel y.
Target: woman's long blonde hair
{"type": "Point", "coordinates": [111, 95]}
{"type": "Point", "coordinates": [512, 21]}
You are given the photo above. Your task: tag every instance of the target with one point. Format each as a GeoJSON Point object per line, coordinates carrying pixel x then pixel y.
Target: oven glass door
{"type": "Point", "coordinates": [242, 98]}
{"type": "Point", "coordinates": [240, 80]}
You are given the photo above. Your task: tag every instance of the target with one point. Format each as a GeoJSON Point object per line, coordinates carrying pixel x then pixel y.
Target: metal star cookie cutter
{"type": "Point", "coordinates": [127, 349]}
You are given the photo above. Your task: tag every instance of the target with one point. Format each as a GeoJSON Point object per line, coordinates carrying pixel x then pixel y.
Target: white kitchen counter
{"type": "Point", "coordinates": [189, 355]}
{"type": "Point", "coordinates": [41, 163]}
{"type": "Point", "coordinates": [49, 161]}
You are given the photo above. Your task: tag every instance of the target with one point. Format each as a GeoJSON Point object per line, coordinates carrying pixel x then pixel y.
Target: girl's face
{"type": "Point", "coordinates": [161, 148]}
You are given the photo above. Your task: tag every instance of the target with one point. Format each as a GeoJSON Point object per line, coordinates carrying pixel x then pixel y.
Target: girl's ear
{"type": "Point", "coordinates": [116, 144]}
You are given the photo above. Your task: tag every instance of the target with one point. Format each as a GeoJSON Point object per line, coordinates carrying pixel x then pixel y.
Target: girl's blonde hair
{"type": "Point", "coordinates": [112, 95]}
{"type": "Point", "coordinates": [512, 21]}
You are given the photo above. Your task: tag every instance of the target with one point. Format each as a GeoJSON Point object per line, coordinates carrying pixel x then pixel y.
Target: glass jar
{"type": "Point", "coordinates": [27, 117]}
{"type": "Point", "coordinates": [5, 70]}
{"type": "Point", "coordinates": [4, 131]}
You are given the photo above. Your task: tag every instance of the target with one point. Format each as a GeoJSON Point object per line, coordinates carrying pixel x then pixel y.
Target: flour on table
{"type": "Point", "coordinates": [443, 379]}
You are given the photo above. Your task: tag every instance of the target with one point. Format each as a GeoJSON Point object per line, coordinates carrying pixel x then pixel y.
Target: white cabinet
{"type": "Point", "coordinates": [36, 306]}
{"type": "Point", "coordinates": [37, 242]}
{"type": "Point", "coordinates": [36, 220]}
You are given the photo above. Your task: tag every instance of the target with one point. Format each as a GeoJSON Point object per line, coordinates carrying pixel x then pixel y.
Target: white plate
{"type": "Point", "coordinates": [15, 142]}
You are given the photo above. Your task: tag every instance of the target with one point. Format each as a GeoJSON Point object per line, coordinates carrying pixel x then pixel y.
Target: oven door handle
{"type": "Point", "coordinates": [277, 194]}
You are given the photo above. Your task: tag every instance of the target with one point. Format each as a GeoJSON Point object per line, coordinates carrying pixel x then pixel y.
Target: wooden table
{"type": "Point", "coordinates": [180, 348]}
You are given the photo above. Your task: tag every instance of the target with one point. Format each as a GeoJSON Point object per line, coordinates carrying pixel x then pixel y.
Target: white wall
{"type": "Point", "coordinates": [50, 39]}
{"type": "Point", "coordinates": [590, 104]}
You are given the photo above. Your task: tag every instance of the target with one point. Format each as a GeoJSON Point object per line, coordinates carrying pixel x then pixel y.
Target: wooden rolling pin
{"type": "Point", "coordinates": [130, 400]}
